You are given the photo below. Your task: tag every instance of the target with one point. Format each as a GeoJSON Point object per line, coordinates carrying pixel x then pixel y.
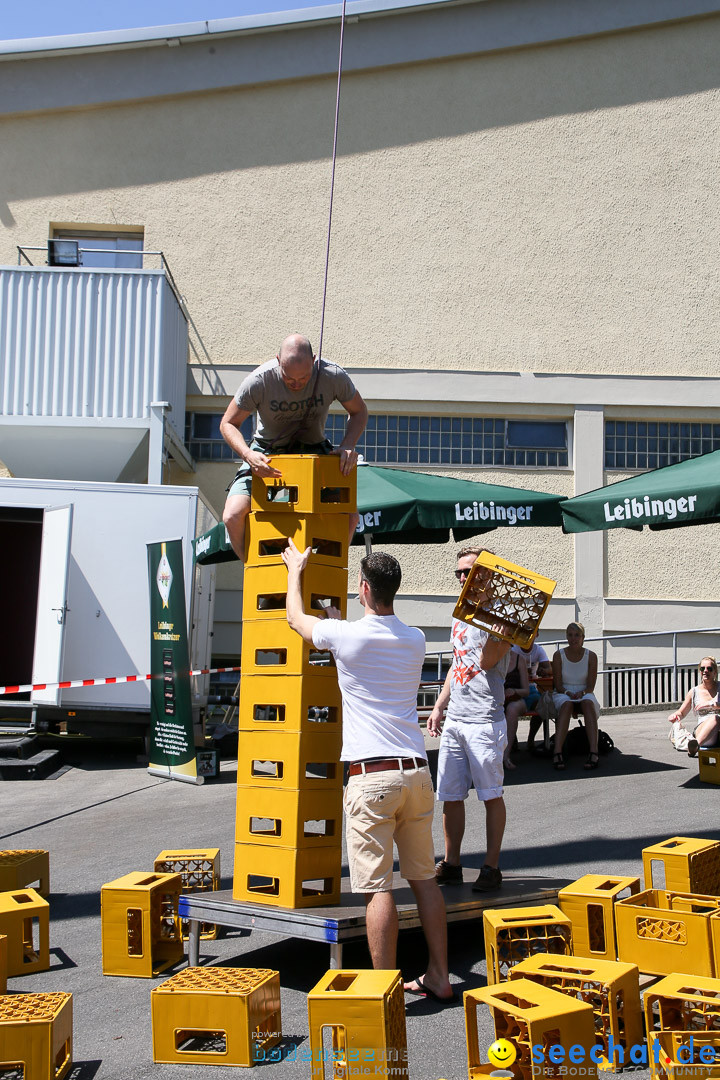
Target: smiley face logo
{"type": "Point", "coordinates": [502, 1053]}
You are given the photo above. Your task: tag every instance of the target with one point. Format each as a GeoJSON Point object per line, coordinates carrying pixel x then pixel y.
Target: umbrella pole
{"type": "Point", "coordinates": [368, 543]}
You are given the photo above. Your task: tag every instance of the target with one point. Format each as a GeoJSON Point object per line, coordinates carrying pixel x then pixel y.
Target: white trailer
{"type": "Point", "coordinates": [74, 583]}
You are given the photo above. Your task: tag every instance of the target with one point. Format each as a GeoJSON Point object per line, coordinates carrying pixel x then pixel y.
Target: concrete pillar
{"type": "Point", "coordinates": [156, 449]}
{"type": "Point", "coordinates": [590, 548]}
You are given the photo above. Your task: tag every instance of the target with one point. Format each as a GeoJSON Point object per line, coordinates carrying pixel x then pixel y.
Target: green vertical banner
{"type": "Point", "coordinates": [172, 749]}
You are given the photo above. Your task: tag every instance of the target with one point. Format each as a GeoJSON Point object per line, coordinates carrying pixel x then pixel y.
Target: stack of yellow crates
{"type": "Point", "coordinates": [289, 802]}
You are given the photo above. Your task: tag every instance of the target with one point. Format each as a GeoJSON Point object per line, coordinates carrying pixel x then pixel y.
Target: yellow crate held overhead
{"type": "Point", "coordinates": [512, 934]}
{"type": "Point", "coordinates": [36, 1035]}
{"type": "Point", "coordinates": [683, 864]}
{"type": "Point", "coordinates": [504, 598]}
{"type": "Point", "coordinates": [663, 932]}
{"type": "Point", "coordinates": [309, 484]}
{"type": "Point", "coordinates": [265, 591]}
{"type": "Point", "coordinates": [287, 877]}
{"type": "Point", "coordinates": [364, 1012]}
{"type": "Point", "coordinates": [297, 703]}
{"type": "Point", "coordinates": [272, 648]}
{"type": "Point", "coordinates": [199, 869]}
{"type": "Point", "coordinates": [25, 920]}
{"type": "Point", "coordinates": [589, 903]}
{"type": "Point", "coordinates": [325, 534]}
{"type": "Point", "coordinates": [611, 988]}
{"type": "Point", "coordinates": [22, 869]}
{"type": "Point", "coordinates": [307, 762]}
{"type": "Point", "coordinates": [140, 925]}
{"type": "Point", "coordinates": [287, 818]}
{"type": "Point", "coordinates": [709, 765]}
{"type": "Point", "coordinates": [216, 1016]}
{"type": "Point", "coordinates": [529, 1015]}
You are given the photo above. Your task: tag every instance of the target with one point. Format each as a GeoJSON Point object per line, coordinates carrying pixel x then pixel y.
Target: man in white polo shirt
{"type": "Point", "coordinates": [389, 795]}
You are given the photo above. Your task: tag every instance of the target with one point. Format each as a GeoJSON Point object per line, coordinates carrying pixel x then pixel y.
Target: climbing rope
{"type": "Point", "coordinates": [332, 178]}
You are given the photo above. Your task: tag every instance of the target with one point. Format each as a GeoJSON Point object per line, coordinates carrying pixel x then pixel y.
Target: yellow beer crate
{"type": "Point", "coordinates": [512, 934]}
{"type": "Point", "coordinates": [504, 598]}
{"type": "Point", "coordinates": [365, 1012]}
{"type": "Point", "coordinates": [270, 647]}
{"type": "Point", "coordinates": [36, 1035]}
{"type": "Point", "coordinates": [683, 864]}
{"type": "Point", "coordinates": [610, 987]}
{"type": "Point", "coordinates": [709, 765]}
{"type": "Point", "coordinates": [589, 903]}
{"type": "Point", "coordinates": [25, 921]}
{"type": "Point", "coordinates": [140, 925]}
{"type": "Point", "coordinates": [266, 537]}
{"type": "Point", "coordinates": [265, 591]}
{"type": "Point", "coordinates": [297, 703]}
{"type": "Point", "coordinates": [309, 484]}
{"type": "Point", "coordinates": [216, 1016]}
{"type": "Point", "coordinates": [678, 1009]}
{"type": "Point", "coordinates": [664, 932]}
{"type": "Point", "coordinates": [287, 818]}
{"type": "Point", "coordinates": [288, 877]}
{"type": "Point", "coordinates": [529, 1015]}
{"type": "Point", "coordinates": [199, 869]}
{"type": "Point", "coordinates": [25, 869]}
{"type": "Point", "coordinates": [303, 762]}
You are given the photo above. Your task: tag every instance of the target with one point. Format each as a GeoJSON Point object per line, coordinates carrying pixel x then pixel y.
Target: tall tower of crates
{"type": "Point", "coordinates": [289, 798]}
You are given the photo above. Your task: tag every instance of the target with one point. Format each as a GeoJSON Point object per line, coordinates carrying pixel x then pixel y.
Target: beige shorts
{"type": "Point", "coordinates": [381, 807]}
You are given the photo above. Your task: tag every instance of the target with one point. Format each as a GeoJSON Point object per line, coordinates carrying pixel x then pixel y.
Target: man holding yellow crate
{"type": "Point", "coordinates": [474, 738]}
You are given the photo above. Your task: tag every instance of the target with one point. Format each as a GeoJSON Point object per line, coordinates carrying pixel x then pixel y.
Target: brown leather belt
{"type": "Point", "coordinates": [357, 767]}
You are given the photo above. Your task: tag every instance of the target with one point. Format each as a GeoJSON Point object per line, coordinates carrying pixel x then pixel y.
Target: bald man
{"type": "Point", "coordinates": [291, 397]}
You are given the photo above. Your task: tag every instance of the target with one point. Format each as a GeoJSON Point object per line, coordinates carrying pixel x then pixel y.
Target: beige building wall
{"type": "Point", "coordinates": [547, 208]}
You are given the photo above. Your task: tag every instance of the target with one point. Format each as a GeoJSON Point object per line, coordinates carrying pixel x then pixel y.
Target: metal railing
{"type": "Point", "coordinates": [620, 685]}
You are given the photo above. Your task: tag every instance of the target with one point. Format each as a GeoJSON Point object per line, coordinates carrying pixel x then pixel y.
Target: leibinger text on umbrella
{"type": "Point", "coordinates": [634, 509]}
{"type": "Point", "coordinates": [480, 512]}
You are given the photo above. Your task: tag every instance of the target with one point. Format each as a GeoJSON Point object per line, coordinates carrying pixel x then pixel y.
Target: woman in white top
{"type": "Point", "coordinates": [704, 701]}
{"type": "Point", "coordinates": [574, 676]}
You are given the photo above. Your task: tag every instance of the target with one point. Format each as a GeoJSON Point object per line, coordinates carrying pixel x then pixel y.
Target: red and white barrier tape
{"type": "Point", "coordinates": [31, 687]}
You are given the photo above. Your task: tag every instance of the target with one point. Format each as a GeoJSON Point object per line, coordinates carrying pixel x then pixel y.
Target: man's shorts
{"type": "Point", "coordinates": [381, 807]}
{"type": "Point", "coordinates": [242, 481]}
{"type": "Point", "coordinates": [471, 754]}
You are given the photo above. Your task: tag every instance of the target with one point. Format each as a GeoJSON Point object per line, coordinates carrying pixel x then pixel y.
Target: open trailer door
{"type": "Point", "coordinates": [52, 606]}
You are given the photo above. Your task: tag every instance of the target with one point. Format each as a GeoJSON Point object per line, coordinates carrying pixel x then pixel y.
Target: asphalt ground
{"type": "Point", "coordinates": [106, 816]}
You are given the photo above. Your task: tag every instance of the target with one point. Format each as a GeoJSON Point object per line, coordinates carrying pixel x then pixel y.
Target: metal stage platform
{"type": "Point", "coordinates": [345, 921]}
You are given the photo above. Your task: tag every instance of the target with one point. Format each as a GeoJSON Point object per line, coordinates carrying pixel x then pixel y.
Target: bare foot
{"type": "Point", "coordinates": [420, 986]}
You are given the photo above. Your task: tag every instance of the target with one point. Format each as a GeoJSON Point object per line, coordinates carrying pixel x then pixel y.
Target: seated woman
{"type": "Point", "coordinates": [517, 688]}
{"type": "Point", "coordinates": [574, 677]}
{"type": "Point", "coordinates": [704, 701]}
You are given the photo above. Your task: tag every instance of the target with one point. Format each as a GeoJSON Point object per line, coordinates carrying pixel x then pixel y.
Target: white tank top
{"type": "Point", "coordinates": [575, 672]}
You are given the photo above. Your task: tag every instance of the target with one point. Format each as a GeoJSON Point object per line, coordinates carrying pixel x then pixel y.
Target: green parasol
{"type": "Point", "coordinates": [687, 493]}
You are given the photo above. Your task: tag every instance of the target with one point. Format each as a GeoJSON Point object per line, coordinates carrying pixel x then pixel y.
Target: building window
{"type": "Point", "coordinates": [633, 444]}
{"type": "Point", "coordinates": [458, 440]}
{"type": "Point", "coordinates": [109, 248]}
{"type": "Point", "coordinates": [416, 440]}
{"type": "Point", "coordinates": [203, 438]}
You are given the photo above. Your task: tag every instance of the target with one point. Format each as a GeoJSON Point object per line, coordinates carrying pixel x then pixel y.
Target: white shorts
{"type": "Point", "coordinates": [471, 754]}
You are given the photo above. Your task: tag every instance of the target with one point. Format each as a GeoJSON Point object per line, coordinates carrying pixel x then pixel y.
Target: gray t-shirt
{"type": "Point", "coordinates": [476, 696]}
{"type": "Point", "coordinates": [279, 409]}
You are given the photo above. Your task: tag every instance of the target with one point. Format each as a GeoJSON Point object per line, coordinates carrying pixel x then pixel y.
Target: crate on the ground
{"type": "Point", "coordinates": [589, 903]}
{"type": "Point", "coordinates": [200, 872]}
{"type": "Point", "coordinates": [23, 869]}
{"type": "Point", "coordinates": [610, 987]}
{"type": "Point", "coordinates": [36, 1033]}
{"type": "Point", "coordinates": [513, 934]}
{"type": "Point", "coordinates": [536, 1020]}
{"type": "Point", "coordinates": [140, 925]}
{"type": "Point", "coordinates": [216, 1016]}
{"type": "Point", "coordinates": [709, 765]}
{"type": "Point", "coordinates": [25, 920]}
{"type": "Point", "coordinates": [678, 1009]}
{"type": "Point", "coordinates": [364, 1012]}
